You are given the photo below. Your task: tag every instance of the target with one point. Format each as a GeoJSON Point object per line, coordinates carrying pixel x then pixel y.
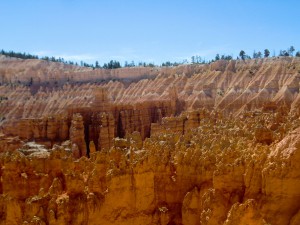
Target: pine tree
{"type": "Point", "coordinates": [193, 59]}
{"type": "Point", "coordinates": [266, 53]}
{"type": "Point", "coordinates": [259, 54]}
{"type": "Point", "coordinates": [242, 54]}
{"type": "Point", "coordinates": [291, 50]}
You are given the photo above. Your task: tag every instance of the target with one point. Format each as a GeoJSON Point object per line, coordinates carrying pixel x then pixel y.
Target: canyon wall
{"type": "Point", "coordinates": [230, 86]}
{"type": "Point", "coordinates": [139, 97]}
{"type": "Point", "coordinates": [217, 173]}
{"type": "Point", "coordinates": [195, 144]}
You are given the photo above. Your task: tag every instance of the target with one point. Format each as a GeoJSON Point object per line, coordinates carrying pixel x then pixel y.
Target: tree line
{"type": "Point", "coordinates": [18, 55]}
{"type": "Point", "coordinates": [266, 53]}
{"type": "Point", "coordinates": [114, 64]}
{"type": "Point", "coordinates": [242, 55]}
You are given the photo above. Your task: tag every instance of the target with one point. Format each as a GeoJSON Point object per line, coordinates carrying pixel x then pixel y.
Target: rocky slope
{"type": "Point", "coordinates": [195, 144]}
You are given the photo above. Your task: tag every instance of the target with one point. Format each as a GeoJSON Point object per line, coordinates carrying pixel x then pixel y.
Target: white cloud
{"type": "Point", "coordinates": [78, 57]}
{"type": "Point", "coordinates": [42, 53]}
{"type": "Point", "coordinates": [66, 56]}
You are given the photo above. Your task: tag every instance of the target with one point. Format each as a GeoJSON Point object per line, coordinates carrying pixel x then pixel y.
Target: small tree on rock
{"type": "Point", "coordinates": [259, 54]}
{"type": "Point", "coordinates": [291, 50]}
{"type": "Point", "coordinates": [242, 54]}
{"type": "Point", "coordinates": [266, 53]}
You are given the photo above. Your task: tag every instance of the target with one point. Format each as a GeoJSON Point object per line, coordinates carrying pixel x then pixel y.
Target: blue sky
{"type": "Point", "coordinates": [151, 31]}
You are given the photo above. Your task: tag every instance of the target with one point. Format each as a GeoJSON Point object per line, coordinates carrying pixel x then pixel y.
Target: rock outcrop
{"type": "Point", "coordinates": [195, 144]}
{"type": "Point", "coordinates": [216, 173]}
{"type": "Point", "coordinates": [77, 135]}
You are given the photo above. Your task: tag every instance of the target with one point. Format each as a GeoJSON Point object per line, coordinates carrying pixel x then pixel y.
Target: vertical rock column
{"type": "Point", "coordinates": [63, 128]}
{"type": "Point", "coordinates": [77, 135]}
{"type": "Point", "coordinates": [52, 128]}
{"type": "Point", "coordinates": [106, 130]}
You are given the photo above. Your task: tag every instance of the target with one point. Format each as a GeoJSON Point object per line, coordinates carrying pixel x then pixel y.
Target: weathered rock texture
{"type": "Point", "coordinates": [195, 144]}
{"type": "Point", "coordinates": [213, 174]}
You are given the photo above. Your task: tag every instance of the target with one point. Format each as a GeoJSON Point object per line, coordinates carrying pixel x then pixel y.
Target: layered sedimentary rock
{"type": "Point", "coordinates": [216, 173]}
{"type": "Point", "coordinates": [230, 86]}
{"type": "Point", "coordinates": [101, 121]}
{"type": "Point", "coordinates": [194, 144]}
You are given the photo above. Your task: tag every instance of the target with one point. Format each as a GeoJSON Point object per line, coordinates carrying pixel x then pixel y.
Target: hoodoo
{"type": "Point", "coordinates": [193, 144]}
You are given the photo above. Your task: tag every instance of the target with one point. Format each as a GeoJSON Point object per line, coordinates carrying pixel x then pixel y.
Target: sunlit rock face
{"type": "Point", "coordinates": [195, 144]}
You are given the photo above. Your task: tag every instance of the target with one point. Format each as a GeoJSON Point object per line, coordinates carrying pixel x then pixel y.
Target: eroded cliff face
{"type": "Point", "coordinates": [217, 173]}
{"type": "Point", "coordinates": [197, 144]}
{"type": "Point", "coordinates": [229, 86]}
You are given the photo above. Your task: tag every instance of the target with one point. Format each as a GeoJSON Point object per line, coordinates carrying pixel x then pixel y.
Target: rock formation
{"type": "Point", "coordinates": [194, 144]}
{"type": "Point", "coordinates": [77, 134]}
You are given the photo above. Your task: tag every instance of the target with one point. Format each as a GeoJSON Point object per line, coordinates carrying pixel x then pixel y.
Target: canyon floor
{"type": "Point", "coordinates": [194, 144]}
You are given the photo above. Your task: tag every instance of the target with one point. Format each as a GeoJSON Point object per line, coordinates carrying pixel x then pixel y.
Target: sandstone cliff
{"type": "Point", "coordinates": [195, 144]}
{"type": "Point", "coordinates": [230, 86]}
{"type": "Point", "coordinates": [217, 173]}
